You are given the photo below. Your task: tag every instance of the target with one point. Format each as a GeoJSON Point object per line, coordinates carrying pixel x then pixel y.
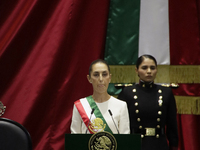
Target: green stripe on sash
{"type": "Point", "coordinates": [97, 112]}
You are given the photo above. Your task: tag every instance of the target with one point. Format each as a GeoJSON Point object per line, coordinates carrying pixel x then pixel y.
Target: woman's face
{"type": "Point", "coordinates": [147, 70]}
{"type": "Point", "coordinates": [99, 77]}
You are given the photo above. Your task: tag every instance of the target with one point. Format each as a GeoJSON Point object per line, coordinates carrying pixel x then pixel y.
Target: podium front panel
{"type": "Point", "coordinates": [124, 141]}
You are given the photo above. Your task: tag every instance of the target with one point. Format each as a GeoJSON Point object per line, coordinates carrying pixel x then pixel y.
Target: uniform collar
{"type": "Point", "coordinates": [146, 84]}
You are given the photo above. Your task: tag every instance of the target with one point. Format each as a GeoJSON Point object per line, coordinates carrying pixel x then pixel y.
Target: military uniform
{"type": "Point", "coordinates": [152, 111]}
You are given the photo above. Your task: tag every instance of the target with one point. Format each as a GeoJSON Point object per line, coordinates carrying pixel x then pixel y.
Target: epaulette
{"type": "Point", "coordinates": [119, 86]}
{"type": "Point", "coordinates": [172, 85]}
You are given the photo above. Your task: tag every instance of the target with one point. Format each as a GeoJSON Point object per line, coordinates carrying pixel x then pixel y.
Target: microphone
{"type": "Point", "coordinates": [113, 120]}
{"type": "Point", "coordinates": [89, 120]}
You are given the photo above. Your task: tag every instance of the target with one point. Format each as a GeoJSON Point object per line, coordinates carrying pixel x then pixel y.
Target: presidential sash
{"type": "Point", "coordinates": [97, 122]}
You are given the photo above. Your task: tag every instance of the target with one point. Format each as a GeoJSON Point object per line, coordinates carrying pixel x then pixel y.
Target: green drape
{"type": "Point", "coordinates": [122, 32]}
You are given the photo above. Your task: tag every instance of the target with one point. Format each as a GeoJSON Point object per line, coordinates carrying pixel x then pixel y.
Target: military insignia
{"type": "Point", "coordinates": [102, 141]}
{"type": "Point", "coordinates": [97, 125]}
{"type": "Point", "coordinates": [2, 108]}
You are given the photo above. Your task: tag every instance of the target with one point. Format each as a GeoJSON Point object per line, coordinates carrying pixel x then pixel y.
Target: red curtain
{"type": "Point", "coordinates": [185, 50]}
{"type": "Point", "coordinates": [184, 32]}
{"type": "Point", "coordinates": [46, 47]}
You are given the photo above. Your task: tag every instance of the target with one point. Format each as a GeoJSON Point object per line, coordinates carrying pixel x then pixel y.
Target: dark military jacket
{"type": "Point", "coordinates": [152, 112]}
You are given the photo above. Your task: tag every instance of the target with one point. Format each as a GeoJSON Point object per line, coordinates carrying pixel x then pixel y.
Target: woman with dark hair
{"type": "Point", "coordinates": [94, 113]}
{"type": "Point", "coordinates": [152, 108]}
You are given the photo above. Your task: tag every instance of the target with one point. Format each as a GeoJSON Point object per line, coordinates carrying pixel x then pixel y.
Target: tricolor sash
{"type": "Point", "coordinates": [97, 122]}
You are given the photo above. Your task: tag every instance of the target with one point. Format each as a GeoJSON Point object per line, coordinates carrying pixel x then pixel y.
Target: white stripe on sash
{"type": "Point", "coordinates": [87, 108]}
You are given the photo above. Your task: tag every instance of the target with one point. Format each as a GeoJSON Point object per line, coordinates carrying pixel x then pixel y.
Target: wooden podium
{"type": "Point", "coordinates": [124, 141]}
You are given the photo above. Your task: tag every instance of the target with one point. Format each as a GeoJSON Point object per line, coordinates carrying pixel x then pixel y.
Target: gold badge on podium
{"type": "Point", "coordinates": [102, 141]}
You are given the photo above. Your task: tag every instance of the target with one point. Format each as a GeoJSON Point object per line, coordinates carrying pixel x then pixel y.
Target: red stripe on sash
{"type": "Point", "coordinates": [82, 113]}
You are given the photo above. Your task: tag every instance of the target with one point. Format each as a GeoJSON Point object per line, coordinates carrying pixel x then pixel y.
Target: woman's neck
{"type": "Point", "coordinates": [141, 81]}
{"type": "Point", "coordinates": [100, 98]}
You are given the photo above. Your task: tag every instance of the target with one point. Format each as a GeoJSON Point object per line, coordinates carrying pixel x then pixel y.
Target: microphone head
{"type": "Point", "coordinates": [110, 112]}
{"type": "Point", "coordinates": [92, 111]}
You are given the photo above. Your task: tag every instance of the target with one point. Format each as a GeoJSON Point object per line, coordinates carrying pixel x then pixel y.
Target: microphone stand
{"type": "Point", "coordinates": [89, 120]}
{"type": "Point", "coordinates": [113, 120]}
